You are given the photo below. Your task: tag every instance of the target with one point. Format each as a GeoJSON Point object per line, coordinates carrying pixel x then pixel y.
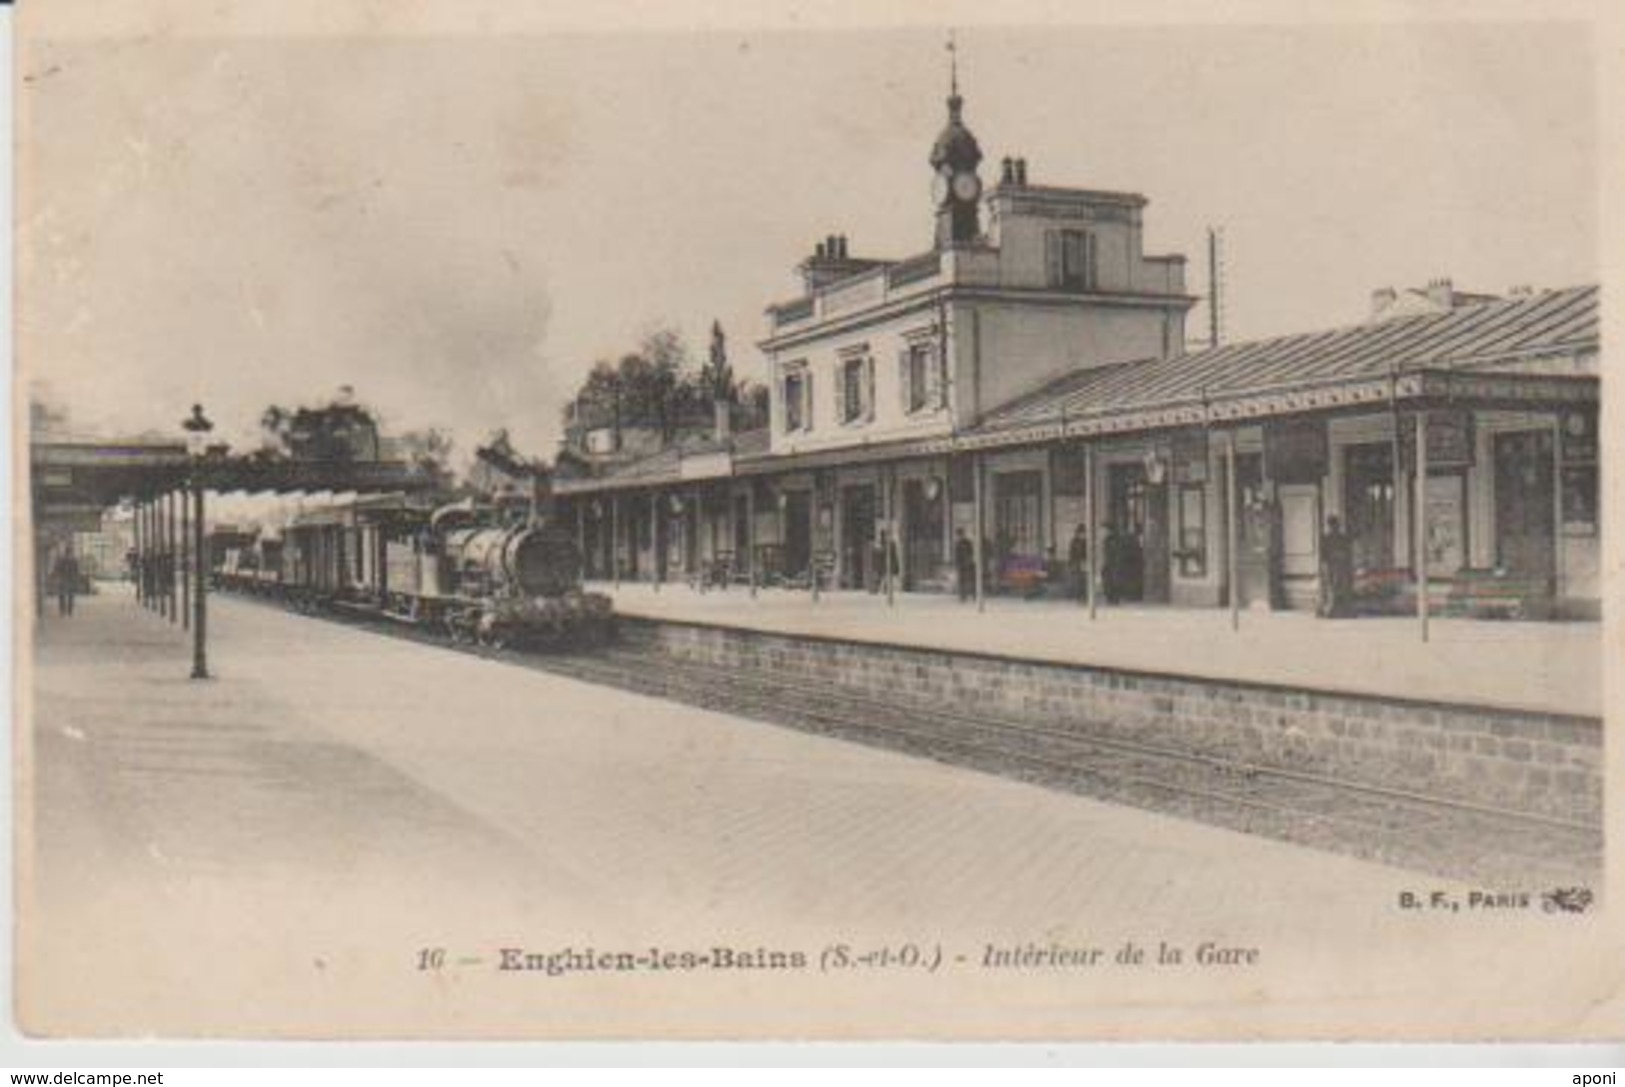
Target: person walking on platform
{"type": "Point", "coordinates": [65, 579]}
{"type": "Point", "coordinates": [965, 565]}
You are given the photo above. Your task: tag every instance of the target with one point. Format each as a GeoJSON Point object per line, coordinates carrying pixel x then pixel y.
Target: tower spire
{"type": "Point", "coordinates": [954, 158]}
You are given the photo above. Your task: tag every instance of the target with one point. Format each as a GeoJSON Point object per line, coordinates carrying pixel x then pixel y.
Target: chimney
{"type": "Point", "coordinates": [1440, 293]}
{"type": "Point", "coordinates": [1007, 171]}
{"type": "Point", "coordinates": [724, 426]}
{"type": "Point", "coordinates": [831, 260]}
{"type": "Point", "coordinates": [1021, 171]}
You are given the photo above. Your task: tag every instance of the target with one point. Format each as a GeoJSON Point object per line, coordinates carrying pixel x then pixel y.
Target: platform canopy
{"type": "Point", "coordinates": [74, 481]}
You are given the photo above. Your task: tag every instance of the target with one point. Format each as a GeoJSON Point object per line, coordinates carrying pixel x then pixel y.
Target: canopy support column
{"type": "Point", "coordinates": [172, 594]}
{"type": "Point", "coordinates": [187, 559]}
{"type": "Point", "coordinates": [1557, 514]}
{"type": "Point", "coordinates": [140, 544]}
{"type": "Point", "coordinates": [150, 566]}
{"type": "Point", "coordinates": [976, 539]}
{"type": "Point", "coordinates": [889, 481]}
{"type": "Point", "coordinates": [581, 533]}
{"type": "Point", "coordinates": [1091, 535]}
{"type": "Point", "coordinates": [1421, 517]}
{"type": "Point", "coordinates": [750, 536]}
{"type": "Point", "coordinates": [615, 540]}
{"type": "Point", "coordinates": [1232, 539]}
{"type": "Point", "coordinates": [657, 566]}
{"type": "Point", "coordinates": [200, 611]}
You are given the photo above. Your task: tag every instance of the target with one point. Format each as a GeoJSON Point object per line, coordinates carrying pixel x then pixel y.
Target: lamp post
{"type": "Point", "coordinates": [197, 427]}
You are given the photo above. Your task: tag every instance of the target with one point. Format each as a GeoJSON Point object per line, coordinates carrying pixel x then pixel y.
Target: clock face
{"type": "Point", "coordinates": [939, 189]}
{"type": "Point", "coordinates": [967, 187]}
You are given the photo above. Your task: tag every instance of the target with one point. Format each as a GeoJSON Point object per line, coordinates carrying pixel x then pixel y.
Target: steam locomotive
{"type": "Point", "coordinates": [488, 574]}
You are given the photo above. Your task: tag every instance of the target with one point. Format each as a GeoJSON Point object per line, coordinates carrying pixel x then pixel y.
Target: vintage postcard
{"type": "Point", "coordinates": [906, 521]}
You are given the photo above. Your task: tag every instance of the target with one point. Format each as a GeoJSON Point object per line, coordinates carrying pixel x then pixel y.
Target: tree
{"type": "Point", "coordinates": [429, 451]}
{"type": "Point", "coordinates": [658, 388]}
{"type": "Point", "coordinates": [340, 430]}
{"type": "Point", "coordinates": [717, 376]}
{"type": "Point", "coordinates": [645, 389]}
{"type": "Point", "coordinates": [755, 406]}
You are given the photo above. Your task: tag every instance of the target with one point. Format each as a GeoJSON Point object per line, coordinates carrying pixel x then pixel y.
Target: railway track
{"type": "Point", "coordinates": [1492, 848]}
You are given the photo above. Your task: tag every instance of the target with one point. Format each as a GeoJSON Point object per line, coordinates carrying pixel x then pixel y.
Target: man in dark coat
{"type": "Point", "coordinates": [1077, 561]}
{"type": "Point", "coordinates": [1336, 570]}
{"type": "Point", "coordinates": [965, 565]}
{"type": "Point", "coordinates": [1114, 569]}
{"type": "Point", "coordinates": [65, 578]}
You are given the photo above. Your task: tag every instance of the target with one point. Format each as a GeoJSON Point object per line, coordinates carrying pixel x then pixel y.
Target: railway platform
{"type": "Point", "coordinates": [272, 852]}
{"type": "Point", "coordinates": [1541, 667]}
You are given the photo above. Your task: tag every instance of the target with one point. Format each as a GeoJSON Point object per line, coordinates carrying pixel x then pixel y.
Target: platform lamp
{"type": "Point", "coordinates": [197, 427]}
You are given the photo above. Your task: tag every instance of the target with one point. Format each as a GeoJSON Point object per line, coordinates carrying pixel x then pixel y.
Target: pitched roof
{"type": "Point", "coordinates": [1488, 338]}
{"type": "Point", "coordinates": [1471, 337]}
{"type": "Point", "coordinates": [666, 466]}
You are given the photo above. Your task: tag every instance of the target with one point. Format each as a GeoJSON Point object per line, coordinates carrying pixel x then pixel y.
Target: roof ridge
{"type": "Point", "coordinates": [1413, 320]}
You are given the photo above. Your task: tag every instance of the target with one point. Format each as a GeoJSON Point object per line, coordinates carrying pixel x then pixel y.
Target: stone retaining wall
{"type": "Point", "coordinates": [1540, 763]}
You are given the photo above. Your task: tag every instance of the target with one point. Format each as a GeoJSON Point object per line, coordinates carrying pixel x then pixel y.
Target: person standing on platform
{"type": "Point", "coordinates": [965, 565]}
{"type": "Point", "coordinates": [1077, 561]}
{"type": "Point", "coordinates": [1336, 571]}
{"type": "Point", "coordinates": [65, 577]}
{"type": "Point", "coordinates": [876, 576]}
{"type": "Point", "coordinates": [1113, 565]}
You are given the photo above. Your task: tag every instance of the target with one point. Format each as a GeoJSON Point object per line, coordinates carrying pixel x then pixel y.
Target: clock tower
{"type": "Point", "coordinates": [956, 191]}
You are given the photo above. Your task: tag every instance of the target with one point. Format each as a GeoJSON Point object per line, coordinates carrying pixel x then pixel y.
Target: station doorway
{"type": "Point", "coordinates": [857, 536]}
{"type": "Point", "coordinates": [1368, 504]}
{"type": "Point", "coordinates": [924, 541]}
{"type": "Point", "coordinates": [741, 519]}
{"type": "Point", "coordinates": [797, 533]}
{"type": "Point", "coordinates": [1525, 518]}
{"type": "Point", "coordinates": [1135, 553]}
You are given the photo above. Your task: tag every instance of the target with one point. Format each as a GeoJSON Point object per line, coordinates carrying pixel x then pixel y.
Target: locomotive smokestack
{"type": "Point", "coordinates": [543, 507]}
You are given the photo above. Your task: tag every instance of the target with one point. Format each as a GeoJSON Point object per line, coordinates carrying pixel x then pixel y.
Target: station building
{"type": "Point", "coordinates": [1027, 376]}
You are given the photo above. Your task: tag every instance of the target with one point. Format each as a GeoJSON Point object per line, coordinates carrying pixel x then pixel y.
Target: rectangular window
{"type": "Point", "coordinates": [920, 357]}
{"type": "Point", "coordinates": [852, 390]}
{"type": "Point", "coordinates": [1071, 259]}
{"type": "Point", "coordinates": [1192, 553]}
{"type": "Point", "coordinates": [795, 396]}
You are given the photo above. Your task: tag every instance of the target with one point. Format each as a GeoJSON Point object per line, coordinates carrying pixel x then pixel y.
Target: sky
{"type": "Point", "coordinates": [458, 226]}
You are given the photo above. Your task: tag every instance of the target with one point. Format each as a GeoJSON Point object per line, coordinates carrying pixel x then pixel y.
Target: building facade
{"type": "Point", "coordinates": [1023, 386]}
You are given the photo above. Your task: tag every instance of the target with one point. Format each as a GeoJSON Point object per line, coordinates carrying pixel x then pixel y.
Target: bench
{"type": "Point", "coordinates": [1498, 593]}
{"type": "Point", "coordinates": [1386, 590]}
{"type": "Point", "coordinates": [1023, 575]}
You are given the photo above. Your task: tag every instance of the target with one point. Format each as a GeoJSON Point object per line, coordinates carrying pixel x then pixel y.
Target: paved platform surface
{"type": "Point", "coordinates": [272, 852]}
{"type": "Point", "coordinates": [1551, 667]}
